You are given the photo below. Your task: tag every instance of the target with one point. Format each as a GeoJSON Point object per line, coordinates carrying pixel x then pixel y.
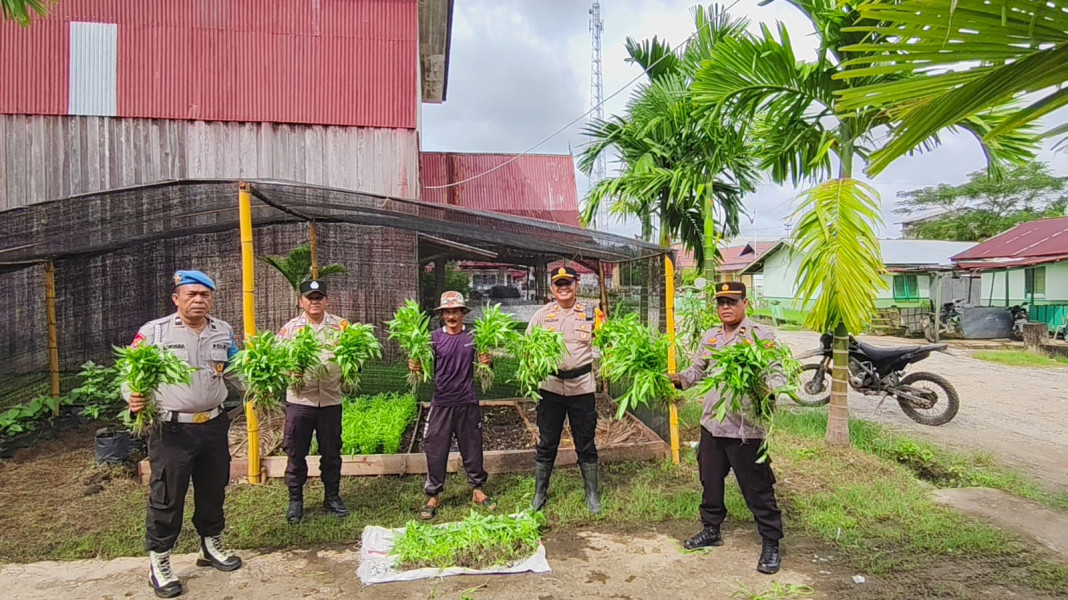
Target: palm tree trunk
{"type": "Point", "coordinates": [838, 415]}
{"type": "Point", "coordinates": [710, 241]}
{"type": "Point", "coordinates": [647, 228]}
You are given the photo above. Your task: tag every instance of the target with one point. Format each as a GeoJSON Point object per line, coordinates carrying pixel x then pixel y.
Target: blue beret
{"type": "Point", "coordinates": [191, 277]}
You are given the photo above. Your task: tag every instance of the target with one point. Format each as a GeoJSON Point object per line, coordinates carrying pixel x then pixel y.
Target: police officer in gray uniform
{"type": "Point", "coordinates": [570, 392]}
{"type": "Point", "coordinates": [190, 439]}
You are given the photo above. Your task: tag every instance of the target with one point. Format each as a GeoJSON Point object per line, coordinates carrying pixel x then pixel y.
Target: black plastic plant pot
{"type": "Point", "coordinates": [66, 422]}
{"type": "Point", "coordinates": [112, 447]}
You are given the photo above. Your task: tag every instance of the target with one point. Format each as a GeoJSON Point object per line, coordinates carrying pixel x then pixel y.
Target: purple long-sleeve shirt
{"type": "Point", "coordinates": [454, 368]}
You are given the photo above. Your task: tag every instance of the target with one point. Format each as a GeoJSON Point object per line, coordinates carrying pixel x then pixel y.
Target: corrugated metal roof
{"type": "Point", "coordinates": [735, 258]}
{"type": "Point", "coordinates": [986, 265]}
{"type": "Point", "coordinates": [538, 186]}
{"type": "Point", "coordinates": [920, 252]}
{"type": "Point", "coordinates": [1046, 237]}
{"type": "Point", "coordinates": [93, 65]}
{"type": "Point", "coordinates": [328, 62]}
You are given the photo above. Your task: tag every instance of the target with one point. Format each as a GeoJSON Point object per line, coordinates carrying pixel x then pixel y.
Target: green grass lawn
{"type": "Point", "coordinates": [866, 501]}
{"type": "Point", "coordinates": [1020, 358]}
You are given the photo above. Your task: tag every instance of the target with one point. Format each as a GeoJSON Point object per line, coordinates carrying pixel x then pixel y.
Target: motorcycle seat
{"type": "Point", "coordinates": [880, 353]}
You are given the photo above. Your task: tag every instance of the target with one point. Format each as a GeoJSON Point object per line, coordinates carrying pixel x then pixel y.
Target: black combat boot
{"type": "Point", "coordinates": [296, 505]}
{"type": "Point", "coordinates": [589, 478]}
{"type": "Point", "coordinates": [542, 472]}
{"type": "Point", "coordinates": [770, 560]}
{"type": "Point", "coordinates": [332, 501]}
{"type": "Point", "coordinates": [163, 580]}
{"type": "Point", "coordinates": [214, 554]}
{"type": "Point", "coordinates": [708, 537]}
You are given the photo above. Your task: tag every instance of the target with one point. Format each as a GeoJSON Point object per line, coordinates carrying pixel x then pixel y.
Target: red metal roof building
{"type": "Point", "coordinates": [1033, 243]}
{"type": "Point", "coordinates": [538, 186]}
{"type": "Point", "coordinates": [735, 258]}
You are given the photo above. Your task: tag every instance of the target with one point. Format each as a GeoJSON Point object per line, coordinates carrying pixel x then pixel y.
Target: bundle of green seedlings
{"type": "Point", "coordinates": [305, 354]}
{"type": "Point", "coordinates": [143, 370]}
{"type": "Point", "coordinates": [745, 373]}
{"type": "Point", "coordinates": [356, 345]}
{"type": "Point", "coordinates": [410, 328]}
{"type": "Point", "coordinates": [538, 355]}
{"type": "Point", "coordinates": [634, 355]}
{"type": "Point", "coordinates": [264, 365]}
{"type": "Point", "coordinates": [477, 542]}
{"type": "Point", "coordinates": [493, 330]}
{"type": "Point", "coordinates": [373, 424]}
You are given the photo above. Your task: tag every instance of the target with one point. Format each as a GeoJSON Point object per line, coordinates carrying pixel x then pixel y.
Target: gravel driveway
{"type": "Point", "coordinates": [1017, 414]}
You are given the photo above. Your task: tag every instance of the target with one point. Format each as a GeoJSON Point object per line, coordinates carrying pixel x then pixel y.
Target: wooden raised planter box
{"type": "Point", "coordinates": [644, 445]}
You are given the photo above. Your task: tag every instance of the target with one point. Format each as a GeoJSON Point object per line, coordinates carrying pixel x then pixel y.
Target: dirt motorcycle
{"type": "Point", "coordinates": [875, 371]}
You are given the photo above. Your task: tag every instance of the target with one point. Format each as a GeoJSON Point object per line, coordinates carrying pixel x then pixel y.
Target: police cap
{"type": "Point", "coordinates": [193, 277]}
{"type": "Point", "coordinates": [312, 287]}
{"type": "Point", "coordinates": [565, 273]}
{"type": "Point", "coordinates": [730, 289]}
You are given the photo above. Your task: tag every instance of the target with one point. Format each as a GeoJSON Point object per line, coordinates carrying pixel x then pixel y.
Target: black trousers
{"type": "Point", "coordinates": [442, 423]}
{"type": "Point", "coordinates": [716, 456]}
{"type": "Point", "coordinates": [301, 422]}
{"type": "Point", "coordinates": [176, 453]}
{"type": "Point", "coordinates": [581, 413]}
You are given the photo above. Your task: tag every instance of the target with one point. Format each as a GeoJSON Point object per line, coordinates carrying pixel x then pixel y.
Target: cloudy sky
{"type": "Point", "coordinates": [520, 70]}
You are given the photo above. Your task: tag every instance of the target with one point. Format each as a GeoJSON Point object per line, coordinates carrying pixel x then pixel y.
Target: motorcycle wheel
{"type": "Point", "coordinates": [942, 411]}
{"type": "Point", "coordinates": [805, 397]}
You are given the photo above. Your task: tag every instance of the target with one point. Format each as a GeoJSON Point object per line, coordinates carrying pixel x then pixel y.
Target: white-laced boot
{"type": "Point", "coordinates": [214, 554]}
{"type": "Point", "coordinates": [163, 580]}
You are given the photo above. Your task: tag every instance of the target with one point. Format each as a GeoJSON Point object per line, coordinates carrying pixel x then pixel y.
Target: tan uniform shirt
{"type": "Point", "coordinates": [324, 390]}
{"type": "Point", "coordinates": [208, 352]}
{"type": "Point", "coordinates": [577, 327]}
{"type": "Point", "coordinates": [736, 424]}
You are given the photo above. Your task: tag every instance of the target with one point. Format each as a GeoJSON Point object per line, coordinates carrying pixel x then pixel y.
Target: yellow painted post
{"type": "Point", "coordinates": [53, 334]}
{"type": "Point", "coordinates": [669, 311]}
{"type": "Point", "coordinates": [248, 301]}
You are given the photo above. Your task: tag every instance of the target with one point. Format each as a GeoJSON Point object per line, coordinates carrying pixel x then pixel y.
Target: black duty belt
{"type": "Point", "coordinates": [574, 373]}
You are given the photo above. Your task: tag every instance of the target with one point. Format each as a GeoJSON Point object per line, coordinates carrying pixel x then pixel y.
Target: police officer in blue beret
{"type": "Point", "coordinates": [191, 438]}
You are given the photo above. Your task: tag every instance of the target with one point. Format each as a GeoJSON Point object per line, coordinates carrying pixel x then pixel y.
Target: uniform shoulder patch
{"type": "Point", "coordinates": [343, 325]}
{"type": "Point", "coordinates": [137, 340]}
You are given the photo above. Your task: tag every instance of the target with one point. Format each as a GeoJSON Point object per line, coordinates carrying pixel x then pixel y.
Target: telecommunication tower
{"type": "Point", "coordinates": [600, 167]}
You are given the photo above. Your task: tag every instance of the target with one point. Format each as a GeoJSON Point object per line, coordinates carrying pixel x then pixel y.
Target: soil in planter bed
{"type": "Point", "coordinates": [610, 431]}
{"type": "Point", "coordinates": [502, 429]}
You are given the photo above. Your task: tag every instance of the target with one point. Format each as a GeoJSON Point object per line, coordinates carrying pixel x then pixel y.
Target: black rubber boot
{"type": "Point", "coordinates": [589, 478]}
{"type": "Point", "coordinates": [770, 559]}
{"type": "Point", "coordinates": [542, 473]}
{"type": "Point", "coordinates": [707, 538]}
{"type": "Point", "coordinates": [296, 505]}
{"type": "Point", "coordinates": [332, 501]}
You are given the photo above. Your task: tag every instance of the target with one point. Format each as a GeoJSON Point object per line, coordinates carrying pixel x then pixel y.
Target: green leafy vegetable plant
{"type": "Point", "coordinates": [538, 354]}
{"type": "Point", "coordinates": [479, 541]}
{"type": "Point", "coordinates": [264, 364]}
{"type": "Point", "coordinates": [634, 355]}
{"type": "Point", "coordinates": [143, 370]}
{"type": "Point", "coordinates": [356, 344]}
{"type": "Point", "coordinates": [493, 330]}
{"type": "Point", "coordinates": [305, 354]}
{"type": "Point", "coordinates": [743, 374]}
{"type": "Point", "coordinates": [410, 328]}
{"type": "Point", "coordinates": [374, 424]}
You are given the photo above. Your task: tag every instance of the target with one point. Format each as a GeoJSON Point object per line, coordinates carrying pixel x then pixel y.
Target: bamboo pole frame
{"type": "Point", "coordinates": [248, 301]}
{"type": "Point", "coordinates": [313, 244]}
{"type": "Point", "coordinates": [669, 315]}
{"type": "Point", "coordinates": [53, 333]}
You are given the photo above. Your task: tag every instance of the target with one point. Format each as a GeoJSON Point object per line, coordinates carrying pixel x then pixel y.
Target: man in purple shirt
{"type": "Point", "coordinates": [454, 408]}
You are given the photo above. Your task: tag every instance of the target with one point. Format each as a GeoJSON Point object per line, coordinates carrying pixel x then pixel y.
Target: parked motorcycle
{"type": "Point", "coordinates": [1020, 315]}
{"type": "Point", "coordinates": [949, 321]}
{"type": "Point", "coordinates": [926, 398]}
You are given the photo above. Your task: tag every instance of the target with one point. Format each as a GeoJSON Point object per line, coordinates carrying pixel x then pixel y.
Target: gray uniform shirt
{"type": "Point", "coordinates": [324, 390]}
{"type": "Point", "coordinates": [209, 352]}
{"type": "Point", "coordinates": [736, 424]}
{"type": "Point", "coordinates": [577, 327]}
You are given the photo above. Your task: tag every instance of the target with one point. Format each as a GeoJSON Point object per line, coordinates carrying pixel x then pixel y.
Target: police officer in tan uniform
{"type": "Point", "coordinates": [314, 406]}
{"type": "Point", "coordinates": [733, 444]}
{"type": "Point", "coordinates": [569, 393]}
{"type": "Point", "coordinates": [191, 439]}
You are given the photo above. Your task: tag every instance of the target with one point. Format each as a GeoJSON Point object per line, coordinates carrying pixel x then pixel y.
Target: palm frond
{"type": "Point", "coordinates": [20, 11]}
{"type": "Point", "coordinates": [841, 263]}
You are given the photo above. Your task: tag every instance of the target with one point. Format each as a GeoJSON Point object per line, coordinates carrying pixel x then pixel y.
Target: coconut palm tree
{"type": "Point", "coordinates": [801, 134]}
{"type": "Point", "coordinates": [687, 172]}
{"type": "Point", "coordinates": [20, 10]}
{"type": "Point", "coordinates": [964, 58]}
{"type": "Point", "coordinates": [296, 267]}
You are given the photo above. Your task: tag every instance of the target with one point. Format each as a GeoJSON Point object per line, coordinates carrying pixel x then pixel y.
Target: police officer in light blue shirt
{"type": "Point", "coordinates": [190, 439]}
